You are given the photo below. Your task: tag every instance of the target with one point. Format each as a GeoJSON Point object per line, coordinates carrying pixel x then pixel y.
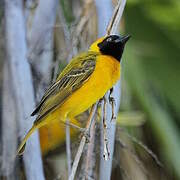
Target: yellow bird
{"type": "Point", "coordinates": [83, 81]}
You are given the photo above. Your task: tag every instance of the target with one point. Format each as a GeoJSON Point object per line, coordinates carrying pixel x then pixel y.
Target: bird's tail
{"type": "Point", "coordinates": [22, 146]}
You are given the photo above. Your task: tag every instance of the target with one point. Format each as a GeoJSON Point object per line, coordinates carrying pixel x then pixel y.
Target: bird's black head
{"type": "Point", "coordinates": [113, 45]}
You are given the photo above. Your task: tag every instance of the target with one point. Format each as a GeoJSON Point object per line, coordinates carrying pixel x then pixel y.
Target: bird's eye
{"type": "Point", "coordinates": [109, 39]}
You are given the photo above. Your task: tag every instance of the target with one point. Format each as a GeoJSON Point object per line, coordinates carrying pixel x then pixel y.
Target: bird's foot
{"type": "Point", "coordinates": [86, 134]}
{"type": "Point", "coordinates": [113, 103]}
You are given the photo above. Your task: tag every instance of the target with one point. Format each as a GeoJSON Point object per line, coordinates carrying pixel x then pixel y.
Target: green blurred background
{"type": "Point", "coordinates": [152, 74]}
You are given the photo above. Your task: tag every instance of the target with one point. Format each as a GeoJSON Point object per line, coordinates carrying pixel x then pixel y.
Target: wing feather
{"type": "Point", "coordinates": [71, 79]}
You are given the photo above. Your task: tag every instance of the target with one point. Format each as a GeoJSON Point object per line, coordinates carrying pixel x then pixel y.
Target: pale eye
{"type": "Point", "coordinates": [109, 39]}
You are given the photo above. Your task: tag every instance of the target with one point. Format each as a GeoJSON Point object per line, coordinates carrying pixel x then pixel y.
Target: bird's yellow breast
{"type": "Point", "coordinates": [106, 73]}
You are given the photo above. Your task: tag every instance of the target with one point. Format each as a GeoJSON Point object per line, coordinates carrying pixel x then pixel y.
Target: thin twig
{"type": "Point", "coordinates": [117, 14]}
{"type": "Point", "coordinates": [105, 139]}
{"type": "Point", "coordinates": [74, 126]}
{"type": "Point", "coordinates": [68, 147]}
{"type": "Point", "coordinates": [82, 143]}
{"type": "Point", "coordinates": [90, 158]}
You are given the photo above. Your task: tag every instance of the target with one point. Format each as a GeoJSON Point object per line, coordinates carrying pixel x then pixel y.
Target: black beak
{"type": "Point", "coordinates": [123, 39]}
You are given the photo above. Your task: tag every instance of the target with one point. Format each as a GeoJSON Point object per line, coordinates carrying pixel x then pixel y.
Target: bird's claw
{"type": "Point", "coordinates": [86, 134]}
{"type": "Point", "coordinates": [111, 100]}
{"type": "Point", "coordinates": [113, 118]}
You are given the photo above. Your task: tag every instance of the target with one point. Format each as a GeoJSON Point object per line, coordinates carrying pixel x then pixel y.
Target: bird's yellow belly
{"type": "Point", "coordinates": [106, 73]}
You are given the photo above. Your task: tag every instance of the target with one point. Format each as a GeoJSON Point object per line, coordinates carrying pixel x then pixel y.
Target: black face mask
{"type": "Point", "coordinates": [113, 45]}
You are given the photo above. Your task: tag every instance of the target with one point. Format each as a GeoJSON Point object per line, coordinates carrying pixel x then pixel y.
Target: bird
{"type": "Point", "coordinates": [83, 81]}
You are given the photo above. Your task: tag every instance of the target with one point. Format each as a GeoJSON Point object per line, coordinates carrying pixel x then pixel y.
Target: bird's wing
{"type": "Point", "coordinates": [71, 79]}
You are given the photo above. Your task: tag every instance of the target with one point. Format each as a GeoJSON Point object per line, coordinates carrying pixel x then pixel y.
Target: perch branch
{"type": "Point", "coordinates": [106, 166]}
{"type": "Point", "coordinates": [105, 138]}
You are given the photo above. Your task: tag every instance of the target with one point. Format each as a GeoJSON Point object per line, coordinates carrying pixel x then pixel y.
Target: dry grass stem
{"type": "Point", "coordinates": [105, 139]}
{"type": "Point", "coordinates": [117, 14]}
{"type": "Point", "coordinates": [112, 27]}
{"type": "Point", "coordinates": [106, 166]}
{"type": "Point", "coordinates": [74, 126]}
{"type": "Point", "coordinates": [82, 143]}
{"type": "Point", "coordinates": [68, 148]}
{"type": "Point", "coordinates": [90, 158]}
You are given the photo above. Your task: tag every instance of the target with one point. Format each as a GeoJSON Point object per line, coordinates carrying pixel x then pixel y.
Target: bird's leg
{"type": "Point", "coordinates": [87, 131]}
{"type": "Point", "coordinates": [100, 100]}
{"type": "Point", "coordinates": [90, 122]}
{"type": "Point", "coordinates": [84, 131]}
{"type": "Point", "coordinates": [75, 126]}
{"type": "Point", "coordinates": [113, 103]}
